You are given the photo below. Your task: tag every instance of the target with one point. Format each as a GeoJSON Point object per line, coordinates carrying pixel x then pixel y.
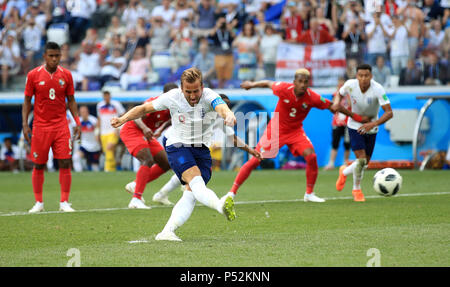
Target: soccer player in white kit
{"type": "Point", "coordinates": [366, 97]}
{"type": "Point", "coordinates": [193, 112]}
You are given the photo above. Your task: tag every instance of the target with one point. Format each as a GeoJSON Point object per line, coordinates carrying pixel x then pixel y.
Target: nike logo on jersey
{"type": "Point", "coordinates": [41, 83]}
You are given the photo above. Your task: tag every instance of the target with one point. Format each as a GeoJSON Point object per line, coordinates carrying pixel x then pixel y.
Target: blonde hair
{"type": "Point", "coordinates": [303, 72]}
{"type": "Point", "coordinates": [191, 75]}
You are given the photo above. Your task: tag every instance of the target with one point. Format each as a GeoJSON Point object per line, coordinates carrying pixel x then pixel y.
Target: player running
{"type": "Point", "coordinates": [51, 85]}
{"type": "Point", "coordinates": [193, 110]}
{"type": "Point", "coordinates": [286, 127]}
{"type": "Point", "coordinates": [366, 97]}
{"type": "Point", "coordinates": [140, 138]}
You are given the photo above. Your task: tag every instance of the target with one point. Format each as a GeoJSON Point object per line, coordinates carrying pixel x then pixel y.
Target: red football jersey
{"type": "Point", "coordinates": [50, 92]}
{"type": "Point", "coordinates": [156, 119]}
{"type": "Point", "coordinates": [292, 110]}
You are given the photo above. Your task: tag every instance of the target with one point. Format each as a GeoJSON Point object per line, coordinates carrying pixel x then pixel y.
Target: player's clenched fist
{"type": "Point", "coordinates": [230, 119]}
{"type": "Point", "coordinates": [247, 85]}
{"type": "Point", "coordinates": [116, 122]}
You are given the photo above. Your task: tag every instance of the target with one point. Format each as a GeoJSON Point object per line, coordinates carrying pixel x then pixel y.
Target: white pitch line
{"type": "Point", "coordinates": [17, 213]}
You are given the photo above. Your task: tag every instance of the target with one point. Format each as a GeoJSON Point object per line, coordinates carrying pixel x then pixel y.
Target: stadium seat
{"type": "Point", "coordinates": [94, 86]}
{"type": "Point", "coordinates": [161, 60]}
{"type": "Point", "coordinates": [58, 33]}
{"type": "Point", "coordinates": [164, 75]}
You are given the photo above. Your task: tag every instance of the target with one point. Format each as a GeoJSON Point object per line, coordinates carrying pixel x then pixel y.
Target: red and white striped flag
{"type": "Point", "coordinates": [325, 62]}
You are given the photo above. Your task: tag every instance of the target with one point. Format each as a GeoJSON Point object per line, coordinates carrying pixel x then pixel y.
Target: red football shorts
{"type": "Point", "coordinates": [270, 143]}
{"type": "Point", "coordinates": [134, 140]}
{"type": "Point", "coordinates": [58, 139]}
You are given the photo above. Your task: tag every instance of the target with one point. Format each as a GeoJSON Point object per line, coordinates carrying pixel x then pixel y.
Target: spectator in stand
{"type": "Point", "coordinates": [115, 43]}
{"type": "Point", "coordinates": [112, 67]}
{"type": "Point", "coordinates": [31, 35]}
{"type": "Point", "coordinates": [80, 17]}
{"type": "Point", "coordinates": [381, 73]}
{"type": "Point", "coordinates": [315, 35]}
{"type": "Point", "coordinates": [179, 52]}
{"type": "Point", "coordinates": [379, 27]}
{"type": "Point", "coordinates": [10, 59]}
{"type": "Point", "coordinates": [115, 28]}
{"type": "Point", "coordinates": [9, 156]}
{"type": "Point", "coordinates": [432, 10]}
{"type": "Point", "coordinates": [260, 24]}
{"type": "Point", "coordinates": [183, 10]}
{"type": "Point", "coordinates": [268, 47]}
{"type": "Point", "coordinates": [131, 43]}
{"type": "Point", "coordinates": [355, 40]}
{"type": "Point", "coordinates": [142, 31]}
{"type": "Point", "coordinates": [204, 61]}
{"type": "Point", "coordinates": [411, 75]}
{"type": "Point", "coordinates": [223, 36]}
{"type": "Point", "coordinates": [19, 5]}
{"type": "Point", "coordinates": [399, 46]}
{"type": "Point", "coordinates": [390, 7]}
{"type": "Point", "coordinates": [235, 15]}
{"type": "Point", "coordinates": [292, 22]}
{"type": "Point", "coordinates": [435, 72]}
{"type": "Point", "coordinates": [248, 51]}
{"type": "Point", "coordinates": [159, 35]}
{"type": "Point", "coordinates": [184, 30]}
{"type": "Point", "coordinates": [89, 64]}
{"type": "Point", "coordinates": [164, 12]}
{"type": "Point", "coordinates": [36, 11]}
{"type": "Point", "coordinates": [324, 23]}
{"type": "Point", "coordinates": [56, 12]}
{"type": "Point", "coordinates": [413, 18]}
{"type": "Point", "coordinates": [138, 69]}
{"type": "Point", "coordinates": [352, 12]}
{"type": "Point", "coordinates": [67, 60]}
{"type": "Point", "coordinates": [205, 16]}
{"type": "Point", "coordinates": [435, 37]}
{"type": "Point", "coordinates": [133, 12]}
{"type": "Point", "coordinates": [445, 46]}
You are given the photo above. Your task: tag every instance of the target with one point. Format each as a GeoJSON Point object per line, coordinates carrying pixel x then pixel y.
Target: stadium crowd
{"type": "Point", "coordinates": [149, 43]}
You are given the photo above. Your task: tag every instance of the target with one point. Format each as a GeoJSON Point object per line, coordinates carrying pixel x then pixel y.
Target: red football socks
{"type": "Point", "coordinates": [155, 172]}
{"type": "Point", "coordinates": [244, 173]}
{"type": "Point", "coordinates": [37, 179]}
{"type": "Point", "coordinates": [65, 180]}
{"type": "Point", "coordinates": [312, 171]}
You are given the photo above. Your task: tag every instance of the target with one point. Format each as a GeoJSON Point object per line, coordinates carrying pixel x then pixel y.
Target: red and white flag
{"type": "Point", "coordinates": [325, 62]}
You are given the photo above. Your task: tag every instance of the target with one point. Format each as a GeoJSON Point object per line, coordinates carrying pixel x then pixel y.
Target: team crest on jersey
{"type": "Point", "coordinates": [369, 100]}
{"type": "Point", "coordinates": [305, 106]}
{"type": "Point", "coordinates": [286, 101]}
{"type": "Point", "coordinates": [181, 118]}
{"type": "Point", "coordinates": [35, 155]}
{"type": "Point", "coordinates": [61, 82]}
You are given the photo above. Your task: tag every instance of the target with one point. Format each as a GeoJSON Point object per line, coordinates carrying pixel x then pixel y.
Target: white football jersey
{"type": "Point", "coordinates": [367, 104]}
{"type": "Point", "coordinates": [190, 125]}
{"type": "Point", "coordinates": [105, 112]}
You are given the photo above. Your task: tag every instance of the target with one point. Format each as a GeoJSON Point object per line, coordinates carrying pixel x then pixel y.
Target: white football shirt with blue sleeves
{"type": "Point", "coordinates": [190, 125]}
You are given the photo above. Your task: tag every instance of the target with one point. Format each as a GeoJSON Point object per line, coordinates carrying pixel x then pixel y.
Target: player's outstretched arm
{"type": "Point", "coordinates": [258, 84]}
{"type": "Point", "coordinates": [243, 146]}
{"type": "Point", "coordinates": [228, 116]}
{"type": "Point", "coordinates": [341, 109]}
{"type": "Point", "coordinates": [134, 113]}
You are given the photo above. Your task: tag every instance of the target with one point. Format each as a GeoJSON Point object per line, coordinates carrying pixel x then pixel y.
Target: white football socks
{"type": "Point", "coordinates": [180, 212]}
{"type": "Point", "coordinates": [205, 195]}
{"type": "Point", "coordinates": [358, 173]}
{"type": "Point", "coordinates": [349, 169]}
{"type": "Point", "coordinates": [171, 185]}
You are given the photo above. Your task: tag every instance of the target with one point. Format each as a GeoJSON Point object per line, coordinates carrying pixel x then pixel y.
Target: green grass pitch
{"type": "Point", "coordinates": [274, 226]}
